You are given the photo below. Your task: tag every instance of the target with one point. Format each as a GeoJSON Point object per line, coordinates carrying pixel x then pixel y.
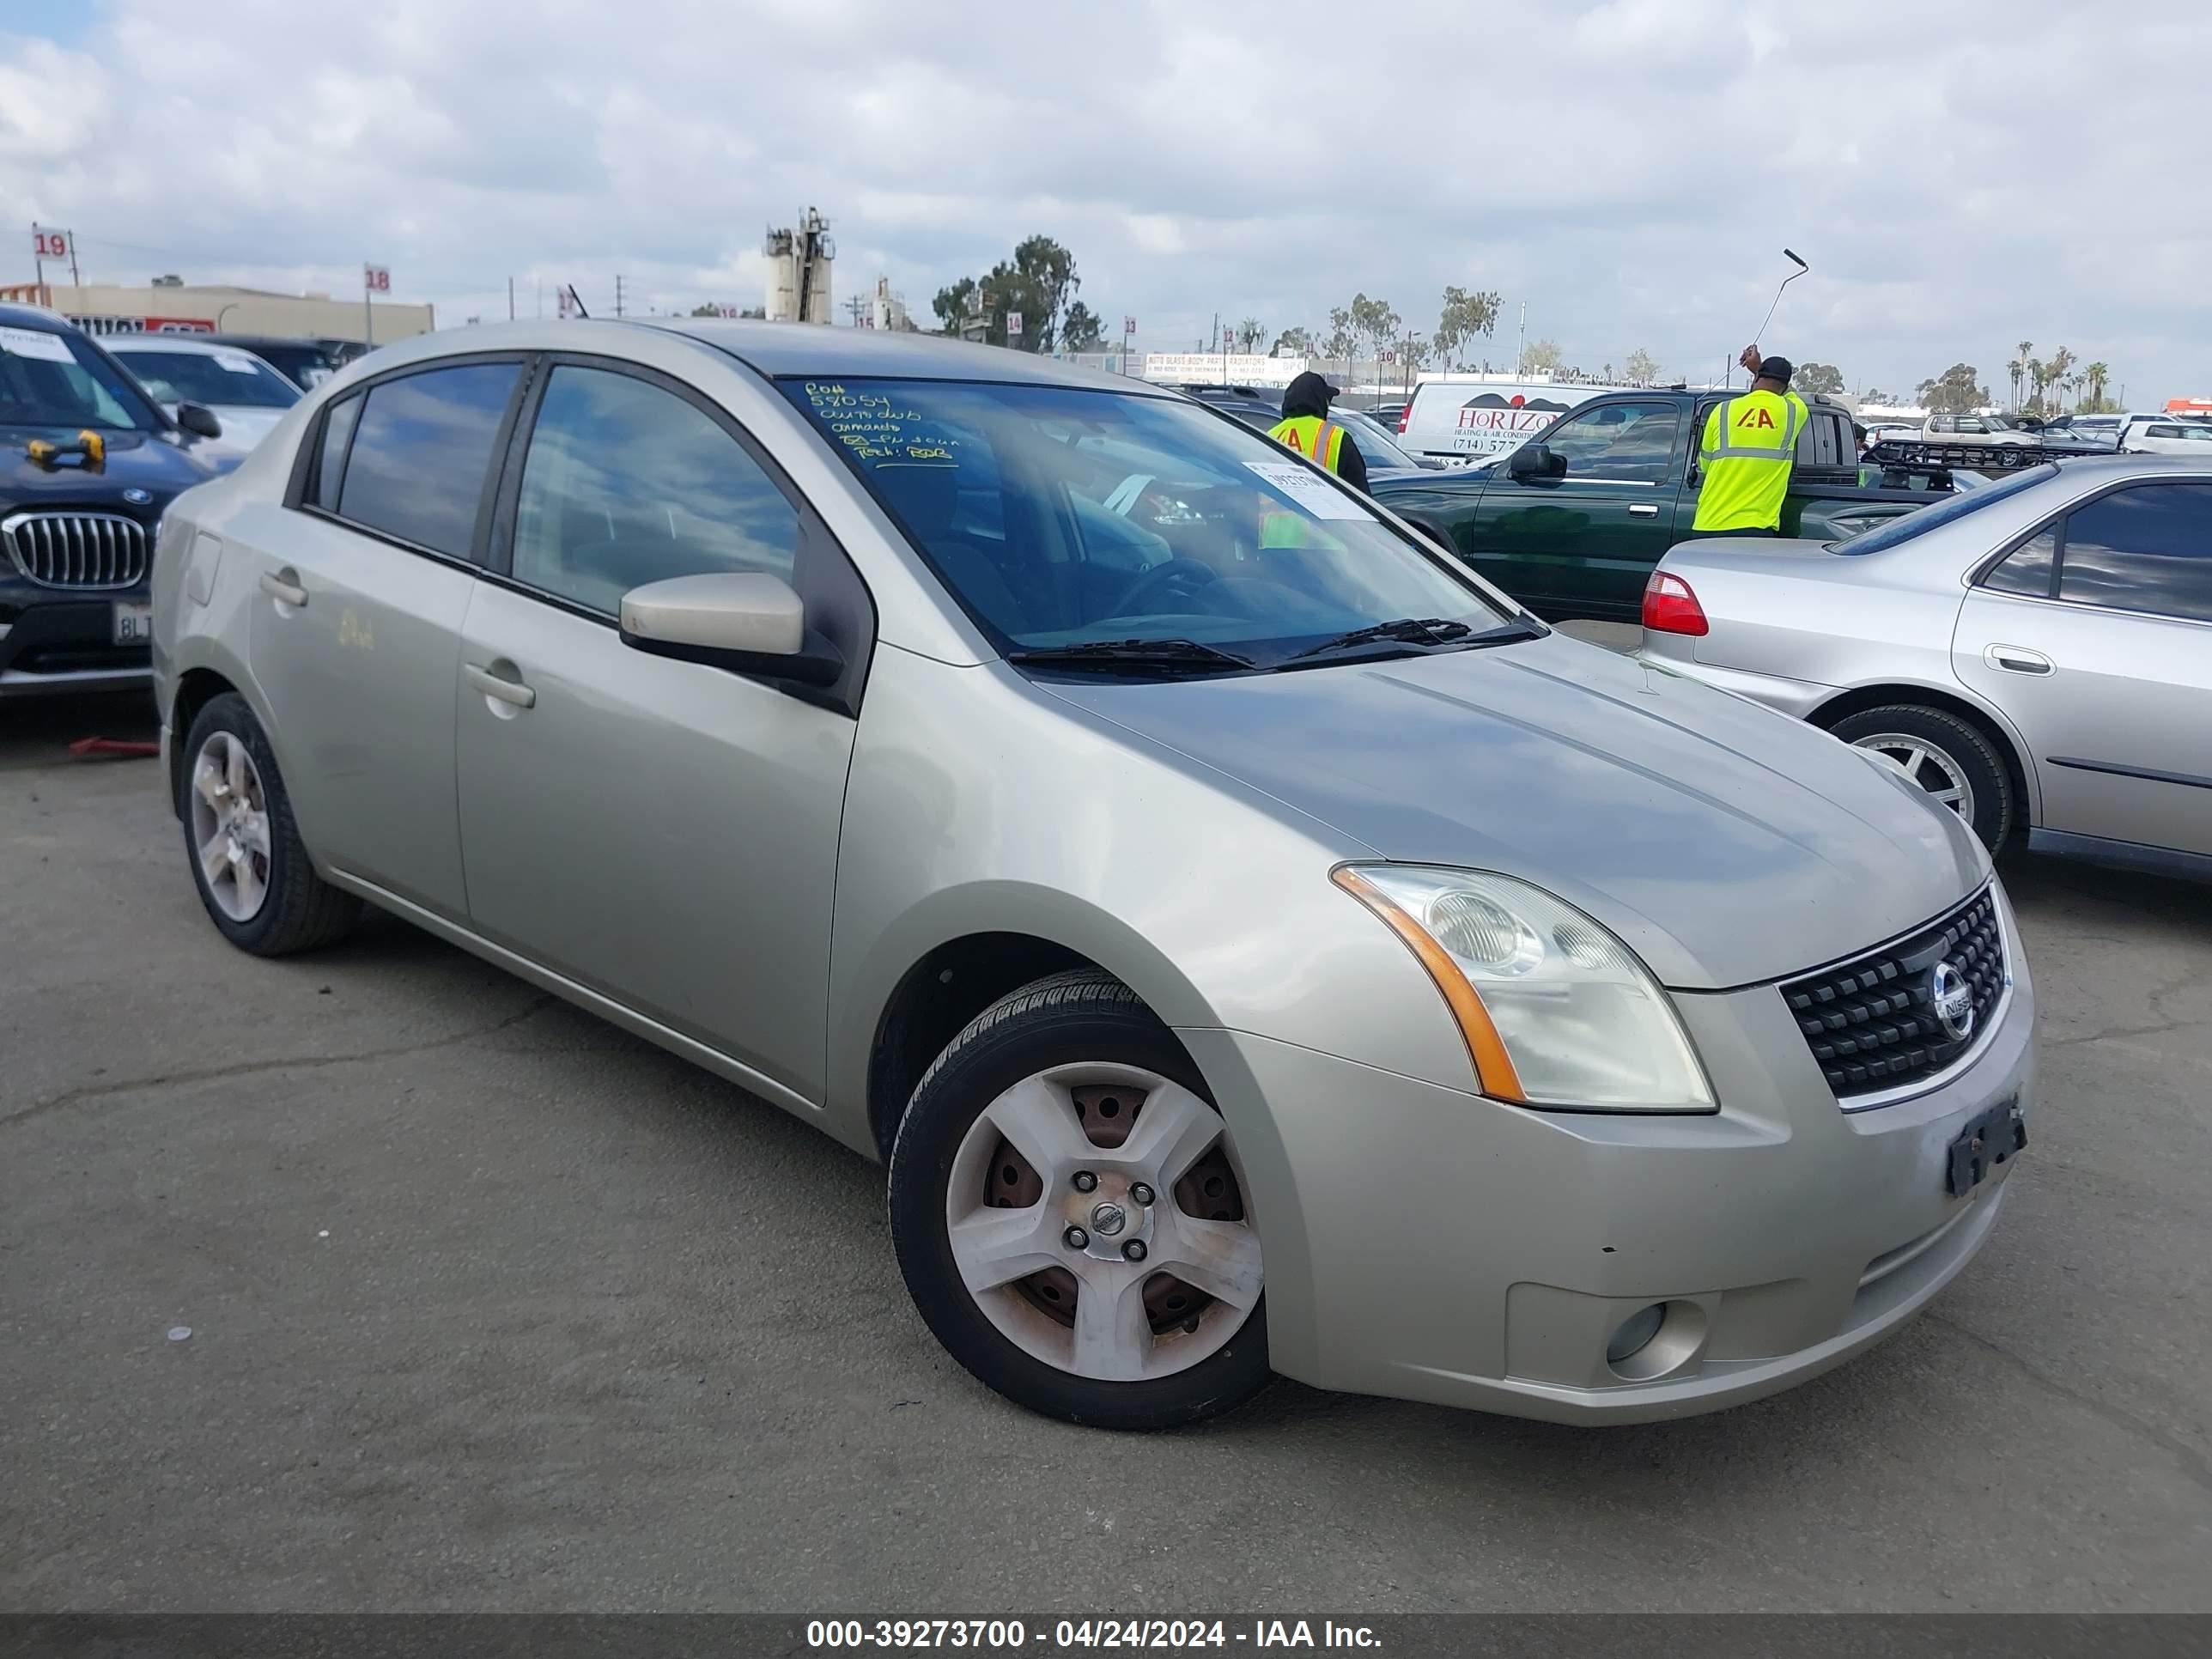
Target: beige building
{"type": "Point", "coordinates": [168, 308]}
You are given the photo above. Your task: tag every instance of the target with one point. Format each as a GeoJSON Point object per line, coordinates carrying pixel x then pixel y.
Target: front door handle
{"type": "Point", "coordinates": [1642, 511]}
{"type": "Point", "coordinates": [2017, 660]}
{"type": "Point", "coordinates": [284, 586]}
{"type": "Point", "coordinates": [502, 690]}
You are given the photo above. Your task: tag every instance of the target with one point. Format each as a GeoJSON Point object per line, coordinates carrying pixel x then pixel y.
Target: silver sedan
{"type": "Point", "coordinates": [1251, 942]}
{"type": "Point", "coordinates": [2037, 655]}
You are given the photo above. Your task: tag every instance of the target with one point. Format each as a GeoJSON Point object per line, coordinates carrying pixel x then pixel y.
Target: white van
{"type": "Point", "coordinates": [2165, 434]}
{"type": "Point", "coordinates": [1474, 419]}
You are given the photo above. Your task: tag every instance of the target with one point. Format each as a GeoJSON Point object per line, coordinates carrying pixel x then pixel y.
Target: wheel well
{"type": "Point", "coordinates": [198, 688]}
{"type": "Point", "coordinates": [937, 997]}
{"type": "Point", "coordinates": [1877, 696]}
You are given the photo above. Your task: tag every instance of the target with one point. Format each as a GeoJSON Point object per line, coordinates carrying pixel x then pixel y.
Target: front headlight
{"type": "Point", "coordinates": [1556, 1012]}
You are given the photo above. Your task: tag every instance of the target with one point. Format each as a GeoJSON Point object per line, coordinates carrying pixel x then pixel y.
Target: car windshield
{"type": "Point", "coordinates": [217, 377]}
{"type": "Point", "coordinates": [304, 363]}
{"type": "Point", "coordinates": [1921, 520]}
{"type": "Point", "coordinates": [1061, 516]}
{"type": "Point", "coordinates": [1378, 445]}
{"type": "Point", "coordinates": [49, 378]}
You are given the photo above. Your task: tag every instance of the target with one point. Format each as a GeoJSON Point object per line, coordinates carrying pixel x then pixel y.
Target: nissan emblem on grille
{"type": "Point", "coordinates": [1953, 993]}
{"type": "Point", "coordinates": [1903, 1013]}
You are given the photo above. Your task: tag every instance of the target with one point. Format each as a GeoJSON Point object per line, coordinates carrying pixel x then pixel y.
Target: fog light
{"type": "Point", "coordinates": [1632, 1332]}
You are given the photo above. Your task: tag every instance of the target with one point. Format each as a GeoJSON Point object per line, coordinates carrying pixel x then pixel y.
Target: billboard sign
{"type": "Point", "coordinates": [1215, 368]}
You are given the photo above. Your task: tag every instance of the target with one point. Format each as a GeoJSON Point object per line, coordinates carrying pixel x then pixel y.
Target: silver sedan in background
{"type": "Point", "coordinates": [2037, 655]}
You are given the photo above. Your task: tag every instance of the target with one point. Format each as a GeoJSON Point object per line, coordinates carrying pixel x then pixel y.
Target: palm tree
{"type": "Point", "coordinates": [2097, 374]}
{"type": "Point", "coordinates": [2013, 369]}
{"type": "Point", "coordinates": [2020, 367]}
{"type": "Point", "coordinates": [2055, 370]}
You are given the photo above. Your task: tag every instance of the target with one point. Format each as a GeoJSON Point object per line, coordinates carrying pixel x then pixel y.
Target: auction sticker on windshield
{"type": "Point", "coordinates": [1307, 490]}
{"type": "Point", "coordinates": [35, 343]}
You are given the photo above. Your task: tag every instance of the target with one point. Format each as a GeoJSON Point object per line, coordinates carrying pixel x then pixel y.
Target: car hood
{"type": "Point", "coordinates": [1726, 844]}
{"type": "Point", "coordinates": [142, 460]}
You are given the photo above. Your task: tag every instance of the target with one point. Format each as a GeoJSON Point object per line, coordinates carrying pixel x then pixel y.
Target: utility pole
{"type": "Point", "coordinates": [510, 299]}
{"type": "Point", "coordinates": [618, 295]}
{"type": "Point", "coordinates": [39, 257]}
{"type": "Point", "coordinates": [856, 305]}
{"type": "Point", "coordinates": [1521, 342]}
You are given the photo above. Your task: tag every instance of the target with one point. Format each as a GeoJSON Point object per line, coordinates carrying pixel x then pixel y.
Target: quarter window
{"type": "Point", "coordinates": [626, 483]}
{"type": "Point", "coordinates": [330, 461]}
{"type": "Point", "coordinates": [1616, 443]}
{"type": "Point", "coordinates": [423, 447]}
{"type": "Point", "coordinates": [2146, 548]}
{"type": "Point", "coordinates": [2026, 568]}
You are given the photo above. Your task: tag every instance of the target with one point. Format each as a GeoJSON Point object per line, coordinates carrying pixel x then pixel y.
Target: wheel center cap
{"type": "Point", "coordinates": [1108, 1220]}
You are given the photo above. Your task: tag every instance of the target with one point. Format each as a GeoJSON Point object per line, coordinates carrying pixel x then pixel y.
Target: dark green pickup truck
{"type": "Point", "coordinates": [1571, 523]}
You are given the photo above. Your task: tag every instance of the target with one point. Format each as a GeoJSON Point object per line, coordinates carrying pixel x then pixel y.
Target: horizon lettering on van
{"type": "Point", "coordinates": [1458, 420]}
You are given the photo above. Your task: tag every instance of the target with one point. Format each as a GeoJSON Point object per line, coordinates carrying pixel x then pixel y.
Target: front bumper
{"type": "Point", "coordinates": [55, 643]}
{"type": "Point", "coordinates": [1429, 1244]}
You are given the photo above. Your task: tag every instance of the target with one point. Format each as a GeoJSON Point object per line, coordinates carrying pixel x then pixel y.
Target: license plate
{"type": "Point", "coordinates": [1988, 1140]}
{"type": "Point", "coordinates": [134, 623]}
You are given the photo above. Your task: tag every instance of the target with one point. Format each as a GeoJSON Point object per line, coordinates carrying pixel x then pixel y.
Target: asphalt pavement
{"type": "Point", "coordinates": [491, 1306]}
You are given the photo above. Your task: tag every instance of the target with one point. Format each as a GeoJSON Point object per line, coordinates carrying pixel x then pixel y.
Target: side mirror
{"type": "Point", "coordinates": [748, 622]}
{"type": "Point", "coordinates": [1534, 460]}
{"type": "Point", "coordinates": [199, 419]}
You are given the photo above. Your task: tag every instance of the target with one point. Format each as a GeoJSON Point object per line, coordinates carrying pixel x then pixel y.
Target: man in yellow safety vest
{"type": "Point", "coordinates": [1750, 442]}
{"type": "Point", "coordinates": [1306, 428]}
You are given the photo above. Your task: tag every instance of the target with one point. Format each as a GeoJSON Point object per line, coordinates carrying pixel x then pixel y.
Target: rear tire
{"type": "Point", "coordinates": [1951, 758]}
{"type": "Point", "coordinates": [247, 861]}
{"type": "Point", "coordinates": [1066, 1066]}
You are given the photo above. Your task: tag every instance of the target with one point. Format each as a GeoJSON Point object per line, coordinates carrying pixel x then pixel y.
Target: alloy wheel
{"type": "Point", "coordinates": [230, 826]}
{"type": "Point", "coordinates": [1926, 765]}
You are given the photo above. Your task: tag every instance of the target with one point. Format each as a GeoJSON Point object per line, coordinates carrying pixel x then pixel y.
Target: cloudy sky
{"type": "Point", "coordinates": [1960, 179]}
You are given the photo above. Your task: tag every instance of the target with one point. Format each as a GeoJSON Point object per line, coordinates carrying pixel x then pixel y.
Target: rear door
{"type": "Point", "coordinates": [2095, 637]}
{"type": "Point", "coordinates": [355, 634]}
{"type": "Point", "coordinates": [1584, 545]}
{"type": "Point", "coordinates": [663, 832]}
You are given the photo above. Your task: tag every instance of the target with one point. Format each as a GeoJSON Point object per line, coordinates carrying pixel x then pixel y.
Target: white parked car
{"type": "Point", "coordinates": [1975, 429]}
{"type": "Point", "coordinates": [246, 395]}
{"type": "Point", "coordinates": [2166, 435]}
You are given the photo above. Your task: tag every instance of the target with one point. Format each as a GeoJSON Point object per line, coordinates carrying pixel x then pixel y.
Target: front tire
{"type": "Point", "coordinates": [250, 868]}
{"type": "Point", "coordinates": [1950, 758]}
{"type": "Point", "coordinates": [1069, 1216]}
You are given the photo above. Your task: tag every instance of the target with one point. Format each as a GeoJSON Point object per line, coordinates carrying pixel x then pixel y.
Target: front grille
{"type": "Point", "coordinates": [1871, 1023]}
{"type": "Point", "coordinates": [84, 550]}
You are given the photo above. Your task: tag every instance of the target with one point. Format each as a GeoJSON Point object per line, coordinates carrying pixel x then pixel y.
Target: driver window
{"type": "Point", "coordinates": [627, 483]}
{"type": "Point", "coordinates": [1616, 443]}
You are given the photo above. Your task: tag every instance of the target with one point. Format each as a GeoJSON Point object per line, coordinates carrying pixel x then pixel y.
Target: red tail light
{"type": "Point", "coordinates": [1670, 606]}
{"type": "Point", "coordinates": [1404, 415]}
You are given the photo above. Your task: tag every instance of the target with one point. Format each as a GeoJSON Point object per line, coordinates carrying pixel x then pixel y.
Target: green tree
{"type": "Point", "coordinates": [1958, 391]}
{"type": "Point", "coordinates": [1294, 342]}
{"type": "Point", "coordinates": [1813, 379]}
{"type": "Point", "coordinates": [2054, 375]}
{"type": "Point", "coordinates": [1082, 330]}
{"type": "Point", "coordinates": [1249, 333]}
{"type": "Point", "coordinates": [1343, 336]}
{"type": "Point", "coordinates": [2097, 374]}
{"type": "Point", "coordinates": [1375, 322]}
{"type": "Point", "coordinates": [1642, 367]}
{"type": "Point", "coordinates": [1039, 282]}
{"type": "Point", "coordinates": [2019, 367]}
{"type": "Point", "coordinates": [1465, 317]}
{"type": "Point", "coordinates": [1541, 357]}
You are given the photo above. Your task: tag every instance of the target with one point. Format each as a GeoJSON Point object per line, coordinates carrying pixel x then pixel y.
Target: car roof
{"type": "Point", "coordinates": [255, 342]}
{"type": "Point", "coordinates": [201, 343]}
{"type": "Point", "coordinates": [782, 350]}
{"type": "Point", "coordinates": [38, 317]}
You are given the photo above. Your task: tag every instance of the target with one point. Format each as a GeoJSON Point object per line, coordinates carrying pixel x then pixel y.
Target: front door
{"type": "Point", "coordinates": [1584, 545]}
{"type": "Point", "coordinates": [663, 832]}
{"type": "Point", "coordinates": [356, 635]}
{"type": "Point", "coordinates": [2095, 637]}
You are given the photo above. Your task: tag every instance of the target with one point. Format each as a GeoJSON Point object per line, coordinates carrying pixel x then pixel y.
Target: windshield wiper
{"type": "Point", "coordinates": [1113, 654]}
{"type": "Point", "coordinates": [1425, 630]}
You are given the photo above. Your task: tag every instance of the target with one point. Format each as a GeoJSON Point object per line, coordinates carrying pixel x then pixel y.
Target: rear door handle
{"type": "Point", "coordinates": [502, 690]}
{"type": "Point", "coordinates": [1642, 511]}
{"type": "Point", "coordinates": [2017, 660]}
{"type": "Point", "coordinates": [284, 586]}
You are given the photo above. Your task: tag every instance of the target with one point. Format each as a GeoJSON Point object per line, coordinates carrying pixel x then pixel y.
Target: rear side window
{"type": "Point", "coordinates": [627, 483]}
{"type": "Point", "coordinates": [2145, 548]}
{"type": "Point", "coordinates": [422, 448]}
{"type": "Point", "coordinates": [1918, 522]}
{"type": "Point", "coordinates": [329, 459]}
{"type": "Point", "coordinates": [2026, 568]}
